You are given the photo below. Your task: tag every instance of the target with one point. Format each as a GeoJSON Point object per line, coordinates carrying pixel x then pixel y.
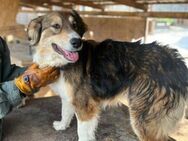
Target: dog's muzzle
{"type": "Point", "coordinates": [71, 56]}
{"type": "Point", "coordinates": [76, 42]}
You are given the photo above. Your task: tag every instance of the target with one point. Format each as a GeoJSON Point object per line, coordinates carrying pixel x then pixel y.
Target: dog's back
{"type": "Point", "coordinates": [120, 63]}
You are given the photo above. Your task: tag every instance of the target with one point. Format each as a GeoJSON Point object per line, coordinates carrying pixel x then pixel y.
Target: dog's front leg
{"type": "Point", "coordinates": [67, 112]}
{"type": "Point", "coordinates": [87, 114]}
{"type": "Point", "coordinates": [86, 129]}
{"type": "Point", "coordinates": [87, 111]}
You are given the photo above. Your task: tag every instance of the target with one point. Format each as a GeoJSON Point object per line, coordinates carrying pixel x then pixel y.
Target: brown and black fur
{"type": "Point", "coordinates": [153, 78]}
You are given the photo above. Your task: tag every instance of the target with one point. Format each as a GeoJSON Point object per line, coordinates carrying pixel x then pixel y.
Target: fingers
{"type": "Point", "coordinates": [33, 66]}
{"type": "Point", "coordinates": [23, 86]}
{"type": "Point", "coordinates": [52, 76]}
{"type": "Point", "coordinates": [49, 70]}
{"type": "Point", "coordinates": [39, 77]}
{"type": "Point", "coordinates": [55, 74]}
{"type": "Point", "coordinates": [35, 81]}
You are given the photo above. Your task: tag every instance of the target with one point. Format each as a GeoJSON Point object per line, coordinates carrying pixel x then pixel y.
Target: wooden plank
{"type": "Point", "coordinates": [131, 3]}
{"type": "Point", "coordinates": [38, 3]}
{"type": "Point", "coordinates": [146, 27]}
{"type": "Point", "coordinates": [85, 3]}
{"type": "Point", "coordinates": [67, 6]}
{"type": "Point", "coordinates": [9, 9]}
{"type": "Point", "coordinates": [183, 15]}
{"type": "Point", "coordinates": [27, 5]}
{"type": "Point", "coordinates": [60, 3]}
{"type": "Point", "coordinates": [33, 5]}
{"type": "Point", "coordinates": [161, 2]}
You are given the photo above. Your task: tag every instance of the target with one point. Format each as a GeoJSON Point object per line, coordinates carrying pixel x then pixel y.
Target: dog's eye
{"type": "Point", "coordinates": [74, 25]}
{"type": "Point", "coordinates": [56, 26]}
{"type": "Point", "coordinates": [29, 38]}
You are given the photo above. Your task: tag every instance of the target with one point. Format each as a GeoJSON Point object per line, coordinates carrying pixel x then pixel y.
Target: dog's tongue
{"type": "Point", "coordinates": [72, 56]}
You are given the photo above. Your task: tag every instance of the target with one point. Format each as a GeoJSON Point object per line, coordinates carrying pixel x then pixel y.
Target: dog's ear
{"type": "Point", "coordinates": [34, 30]}
{"type": "Point", "coordinates": [82, 27]}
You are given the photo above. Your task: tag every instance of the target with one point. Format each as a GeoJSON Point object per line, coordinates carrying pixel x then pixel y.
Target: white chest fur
{"type": "Point", "coordinates": [65, 91]}
{"type": "Point", "coordinates": [60, 87]}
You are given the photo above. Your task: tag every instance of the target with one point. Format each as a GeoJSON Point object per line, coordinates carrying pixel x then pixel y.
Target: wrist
{"type": "Point", "coordinates": [12, 92]}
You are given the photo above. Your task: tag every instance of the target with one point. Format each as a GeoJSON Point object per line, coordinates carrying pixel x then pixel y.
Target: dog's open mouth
{"type": "Point", "coordinates": [69, 55]}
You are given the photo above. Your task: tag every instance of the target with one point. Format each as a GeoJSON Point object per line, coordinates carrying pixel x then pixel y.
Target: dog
{"type": "Point", "coordinates": [150, 79]}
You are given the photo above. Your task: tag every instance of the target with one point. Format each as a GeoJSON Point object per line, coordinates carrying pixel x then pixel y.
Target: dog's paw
{"type": "Point", "coordinates": [59, 125]}
{"type": "Point", "coordinates": [108, 139]}
{"type": "Point", "coordinates": [171, 139]}
{"type": "Point", "coordinates": [21, 105]}
{"type": "Point", "coordinates": [23, 102]}
{"type": "Point", "coordinates": [87, 140]}
{"type": "Point", "coordinates": [186, 113]}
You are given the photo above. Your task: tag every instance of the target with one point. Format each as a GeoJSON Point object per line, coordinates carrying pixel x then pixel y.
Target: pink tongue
{"type": "Point", "coordinates": [73, 56]}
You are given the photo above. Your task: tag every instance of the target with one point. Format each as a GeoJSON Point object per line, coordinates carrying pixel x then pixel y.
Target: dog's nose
{"type": "Point", "coordinates": [76, 42]}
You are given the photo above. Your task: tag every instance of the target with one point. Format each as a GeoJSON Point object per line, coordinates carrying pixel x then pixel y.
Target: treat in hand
{"type": "Point", "coordinates": [34, 78]}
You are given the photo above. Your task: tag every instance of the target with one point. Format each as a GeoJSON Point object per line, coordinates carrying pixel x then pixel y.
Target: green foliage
{"type": "Point", "coordinates": [167, 21]}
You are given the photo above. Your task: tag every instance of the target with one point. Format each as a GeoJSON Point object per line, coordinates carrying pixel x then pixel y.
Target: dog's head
{"type": "Point", "coordinates": [57, 38]}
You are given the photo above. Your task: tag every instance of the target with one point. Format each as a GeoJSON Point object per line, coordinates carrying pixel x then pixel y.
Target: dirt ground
{"type": "Point", "coordinates": [180, 132]}
{"type": "Point", "coordinates": [34, 123]}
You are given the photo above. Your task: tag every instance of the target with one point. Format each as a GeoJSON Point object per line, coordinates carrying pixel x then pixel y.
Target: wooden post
{"type": "Point", "coordinates": [146, 29]}
{"type": "Point", "coordinates": [146, 26]}
{"type": "Point", "coordinates": [8, 12]}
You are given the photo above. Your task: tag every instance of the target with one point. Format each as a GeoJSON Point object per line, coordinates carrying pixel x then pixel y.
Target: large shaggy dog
{"type": "Point", "coordinates": [153, 79]}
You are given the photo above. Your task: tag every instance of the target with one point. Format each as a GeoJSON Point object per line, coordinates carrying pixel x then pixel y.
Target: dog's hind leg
{"type": "Point", "coordinates": [67, 113]}
{"type": "Point", "coordinates": [156, 127]}
{"type": "Point", "coordinates": [151, 131]}
{"type": "Point", "coordinates": [154, 111]}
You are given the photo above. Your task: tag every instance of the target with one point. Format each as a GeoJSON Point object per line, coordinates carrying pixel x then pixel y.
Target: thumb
{"type": "Point", "coordinates": [33, 66]}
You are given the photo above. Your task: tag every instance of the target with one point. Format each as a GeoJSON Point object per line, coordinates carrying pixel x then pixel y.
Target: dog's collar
{"type": "Point", "coordinates": [62, 68]}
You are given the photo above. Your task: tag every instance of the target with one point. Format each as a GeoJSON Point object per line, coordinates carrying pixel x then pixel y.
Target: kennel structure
{"type": "Point", "coordinates": [103, 12]}
{"type": "Point", "coordinates": [119, 19]}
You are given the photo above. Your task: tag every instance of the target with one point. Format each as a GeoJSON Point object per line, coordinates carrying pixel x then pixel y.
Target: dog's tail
{"type": "Point", "coordinates": [186, 106]}
{"type": "Point", "coordinates": [186, 98]}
